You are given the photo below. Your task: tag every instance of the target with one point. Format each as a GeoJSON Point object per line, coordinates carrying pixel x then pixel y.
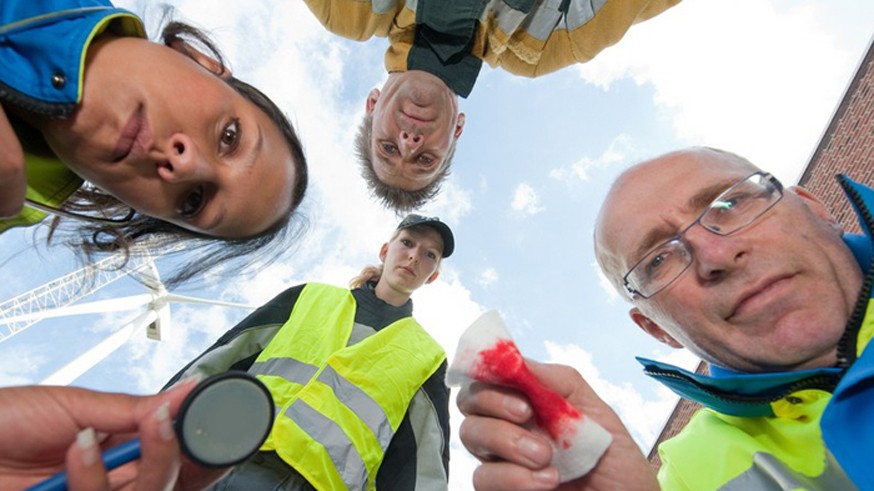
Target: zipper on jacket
{"type": "Point", "coordinates": [35, 106]}
{"type": "Point", "coordinates": [847, 343]}
{"type": "Point", "coordinates": [826, 382]}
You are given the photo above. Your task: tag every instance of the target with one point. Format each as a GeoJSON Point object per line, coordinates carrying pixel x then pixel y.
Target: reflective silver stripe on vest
{"type": "Point", "coordinates": [340, 449]}
{"type": "Point", "coordinates": [383, 6]}
{"type": "Point", "coordinates": [288, 368]}
{"type": "Point", "coordinates": [361, 404]}
{"type": "Point", "coordinates": [581, 12]}
{"type": "Point", "coordinates": [546, 17]}
{"type": "Point", "coordinates": [769, 473]}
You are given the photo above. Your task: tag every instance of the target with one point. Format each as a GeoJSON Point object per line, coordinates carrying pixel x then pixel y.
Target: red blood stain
{"type": "Point", "coordinates": [503, 364]}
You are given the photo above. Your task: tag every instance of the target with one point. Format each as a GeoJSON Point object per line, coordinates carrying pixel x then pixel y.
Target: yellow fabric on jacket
{"type": "Point", "coordinates": [339, 406]}
{"type": "Point", "coordinates": [793, 436]}
{"type": "Point", "coordinates": [515, 41]}
{"type": "Point", "coordinates": [49, 182]}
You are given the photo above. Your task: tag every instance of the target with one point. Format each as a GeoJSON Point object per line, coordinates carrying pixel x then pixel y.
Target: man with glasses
{"type": "Point", "coordinates": [758, 281]}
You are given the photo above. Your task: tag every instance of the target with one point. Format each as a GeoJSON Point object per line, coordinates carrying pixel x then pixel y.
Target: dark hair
{"type": "Point", "coordinates": [396, 199]}
{"type": "Point", "coordinates": [94, 238]}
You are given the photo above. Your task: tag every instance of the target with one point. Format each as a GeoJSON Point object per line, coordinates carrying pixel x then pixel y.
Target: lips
{"type": "Point", "coordinates": [408, 270]}
{"type": "Point", "coordinates": [760, 296]}
{"type": "Point", "coordinates": [412, 123]}
{"type": "Point", "coordinates": [130, 133]}
{"type": "Point", "coordinates": [416, 113]}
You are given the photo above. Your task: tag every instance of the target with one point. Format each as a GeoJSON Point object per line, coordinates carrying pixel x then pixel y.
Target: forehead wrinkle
{"type": "Point", "coordinates": [705, 196]}
{"type": "Point", "coordinates": [694, 204]}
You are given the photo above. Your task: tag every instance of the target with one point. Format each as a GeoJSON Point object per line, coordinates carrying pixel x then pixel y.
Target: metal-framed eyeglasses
{"type": "Point", "coordinates": [737, 207]}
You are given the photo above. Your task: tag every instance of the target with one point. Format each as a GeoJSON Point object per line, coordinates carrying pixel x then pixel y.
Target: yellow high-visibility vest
{"type": "Point", "coordinates": [49, 182]}
{"type": "Point", "coordinates": [338, 406]}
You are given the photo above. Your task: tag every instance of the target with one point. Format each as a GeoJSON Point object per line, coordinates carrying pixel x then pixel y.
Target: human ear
{"type": "Point", "coordinates": [432, 277]}
{"type": "Point", "coordinates": [372, 99]}
{"type": "Point", "coordinates": [459, 125]}
{"type": "Point", "coordinates": [813, 203]}
{"type": "Point", "coordinates": [383, 251]}
{"type": "Point", "coordinates": [202, 59]}
{"type": "Point", "coordinates": [650, 327]}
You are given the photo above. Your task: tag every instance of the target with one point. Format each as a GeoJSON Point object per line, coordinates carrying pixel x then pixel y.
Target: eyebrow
{"type": "Point", "coordinates": [384, 159]}
{"type": "Point", "coordinates": [706, 196]}
{"type": "Point", "coordinates": [217, 220]}
{"type": "Point", "coordinates": [698, 201]}
{"type": "Point", "coordinates": [378, 156]}
{"type": "Point", "coordinates": [256, 147]}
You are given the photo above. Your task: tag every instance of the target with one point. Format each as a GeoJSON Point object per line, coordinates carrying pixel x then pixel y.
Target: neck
{"type": "Point", "coordinates": [389, 295]}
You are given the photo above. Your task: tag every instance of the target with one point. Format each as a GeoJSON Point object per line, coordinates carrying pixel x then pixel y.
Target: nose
{"type": "Point", "coordinates": [715, 256]}
{"type": "Point", "coordinates": [183, 160]}
{"type": "Point", "coordinates": [415, 254]}
{"type": "Point", "coordinates": [411, 140]}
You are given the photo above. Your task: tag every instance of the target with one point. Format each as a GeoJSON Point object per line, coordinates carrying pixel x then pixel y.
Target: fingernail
{"type": "Point", "coordinates": [532, 449]}
{"type": "Point", "coordinates": [547, 477]}
{"type": "Point", "coordinates": [191, 379]}
{"type": "Point", "coordinates": [165, 428]}
{"type": "Point", "coordinates": [517, 408]}
{"type": "Point", "coordinates": [87, 442]}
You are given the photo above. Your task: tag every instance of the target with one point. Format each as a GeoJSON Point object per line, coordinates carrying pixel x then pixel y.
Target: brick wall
{"type": "Point", "coordinates": [847, 147]}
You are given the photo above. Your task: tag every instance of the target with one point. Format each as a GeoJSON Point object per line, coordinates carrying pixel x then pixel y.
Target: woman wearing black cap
{"type": "Point", "coordinates": [357, 382]}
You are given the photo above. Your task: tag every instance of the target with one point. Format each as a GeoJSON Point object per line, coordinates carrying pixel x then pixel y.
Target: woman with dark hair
{"type": "Point", "coordinates": [137, 140]}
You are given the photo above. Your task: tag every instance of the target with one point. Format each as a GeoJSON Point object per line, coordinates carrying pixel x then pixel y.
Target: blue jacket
{"type": "Point", "coordinates": [42, 52]}
{"type": "Point", "coordinates": [847, 424]}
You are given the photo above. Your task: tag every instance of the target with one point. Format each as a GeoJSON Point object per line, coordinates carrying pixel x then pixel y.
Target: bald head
{"type": "Point", "coordinates": [621, 231]}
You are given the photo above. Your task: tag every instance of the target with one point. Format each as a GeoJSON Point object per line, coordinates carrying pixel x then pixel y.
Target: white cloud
{"type": "Point", "coordinates": [619, 151]}
{"type": "Point", "coordinates": [578, 170]}
{"type": "Point", "coordinates": [445, 308]}
{"type": "Point", "coordinates": [20, 366]}
{"type": "Point", "coordinates": [739, 75]}
{"type": "Point", "coordinates": [525, 200]}
{"type": "Point", "coordinates": [488, 276]}
{"type": "Point", "coordinates": [452, 204]}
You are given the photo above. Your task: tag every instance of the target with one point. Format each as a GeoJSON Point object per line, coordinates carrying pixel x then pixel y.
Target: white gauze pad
{"type": "Point", "coordinates": [487, 353]}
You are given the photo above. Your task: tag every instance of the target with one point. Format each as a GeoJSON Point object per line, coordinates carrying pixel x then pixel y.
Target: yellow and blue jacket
{"type": "Point", "coordinates": [42, 52]}
{"type": "Point", "coordinates": [809, 429]}
{"type": "Point", "coordinates": [451, 38]}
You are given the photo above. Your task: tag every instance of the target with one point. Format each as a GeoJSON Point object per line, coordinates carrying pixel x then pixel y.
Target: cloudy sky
{"type": "Point", "coordinates": [757, 77]}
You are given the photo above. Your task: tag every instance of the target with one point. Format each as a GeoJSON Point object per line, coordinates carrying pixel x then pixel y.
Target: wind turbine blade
{"type": "Point", "coordinates": [73, 370]}
{"type": "Point", "coordinates": [172, 297]}
{"type": "Point", "coordinates": [97, 307]}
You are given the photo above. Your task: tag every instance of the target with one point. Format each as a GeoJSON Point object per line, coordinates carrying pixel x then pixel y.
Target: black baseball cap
{"type": "Point", "coordinates": [445, 233]}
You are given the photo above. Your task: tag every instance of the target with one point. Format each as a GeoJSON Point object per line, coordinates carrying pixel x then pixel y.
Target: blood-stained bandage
{"type": "Point", "coordinates": [487, 353]}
